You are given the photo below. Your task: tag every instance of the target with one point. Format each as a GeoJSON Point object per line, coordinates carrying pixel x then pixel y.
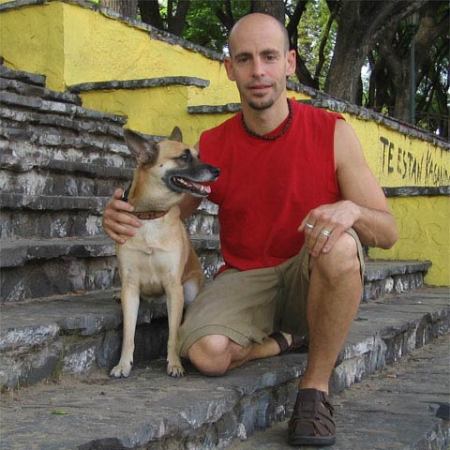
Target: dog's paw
{"type": "Point", "coordinates": [122, 370]}
{"type": "Point", "coordinates": [175, 369]}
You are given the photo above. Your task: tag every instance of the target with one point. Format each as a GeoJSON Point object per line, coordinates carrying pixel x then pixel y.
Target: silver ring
{"type": "Point", "coordinates": [326, 233]}
{"type": "Point", "coordinates": [309, 226]}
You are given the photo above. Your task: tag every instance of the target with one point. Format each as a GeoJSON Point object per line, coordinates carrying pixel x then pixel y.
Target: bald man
{"type": "Point", "coordinates": [296, 202]}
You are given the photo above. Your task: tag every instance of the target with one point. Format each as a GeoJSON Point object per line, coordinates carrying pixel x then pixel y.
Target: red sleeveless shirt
{"type": "Point", "coordinates": [266, 188]}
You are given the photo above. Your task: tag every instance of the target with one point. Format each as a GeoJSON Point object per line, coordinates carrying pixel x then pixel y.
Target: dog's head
{"type": "Point", "coordinates": [170, 165]}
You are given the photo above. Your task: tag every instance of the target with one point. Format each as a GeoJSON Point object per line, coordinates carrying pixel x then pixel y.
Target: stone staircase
{"type": "Point", "coordinates": [61, 326]}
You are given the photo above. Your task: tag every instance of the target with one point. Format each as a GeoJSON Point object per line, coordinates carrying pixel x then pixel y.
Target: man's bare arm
{"type": "Point", "coordinates": [364, 206]}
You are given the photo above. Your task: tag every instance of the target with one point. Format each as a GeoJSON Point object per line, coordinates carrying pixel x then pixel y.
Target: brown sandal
{"type": "Point", "coordinates": [312, 420]}
{"type": "Point", "coordinates": [298, 344]}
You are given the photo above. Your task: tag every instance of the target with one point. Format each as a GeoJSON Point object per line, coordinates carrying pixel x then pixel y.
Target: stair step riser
{"type": "Point", "coordinates": [58, 276]}
{"type": "Point", "coordinates": [37, 271]}
{"type": "Point", "coordinates": [388, 347]}
{"type": "Point", "coordinates": [19, 102]}
{"type": "Point", "coordinates": [67, 274]}
{"type": "Point", "coordinates": [63, 184]}
{"type": "Point", "coordinates": [395, 284]}
{"type": "Point", "coordinates": [25, 148]}
{"type": "Point", "coordinates": [65, 354]}
{"type": "Point", "coordinates": [23, 88]}
{"type": "Point", "coordinates": [23, 224]}
{"type": "Point", "coordinates": [59, 224]}
{"type": "Point", "coordinates": [78, 344]}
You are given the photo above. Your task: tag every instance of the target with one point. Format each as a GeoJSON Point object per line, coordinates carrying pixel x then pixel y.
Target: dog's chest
{"type": "Point", "coordinates": [154, 255]}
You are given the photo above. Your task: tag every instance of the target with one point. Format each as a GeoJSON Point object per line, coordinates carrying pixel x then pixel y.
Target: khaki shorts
{"type": "Point", "coordinates": [247, 306]}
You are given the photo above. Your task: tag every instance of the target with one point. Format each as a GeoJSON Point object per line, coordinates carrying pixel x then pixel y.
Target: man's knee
{"type": "Point", "coordinates": [341, 261]}
{"type": "Point", "coordinates": [210, 355]}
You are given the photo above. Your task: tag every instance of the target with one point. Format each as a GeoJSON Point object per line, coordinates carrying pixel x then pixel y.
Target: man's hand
{"type": "Point", "coordinates": [324, 225]}
{"type": "Point", "coordinates": [118, 223]}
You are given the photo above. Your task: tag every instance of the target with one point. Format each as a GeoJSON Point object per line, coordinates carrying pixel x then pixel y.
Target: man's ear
{"type": "Point", "coordinates": [176, 135]}
{"type": "Point", "coordinates": [144, 150]}
{"type": "Point", "coordinates": [229, 68]}
{"type": "Point", "coordinates": [291, 62]}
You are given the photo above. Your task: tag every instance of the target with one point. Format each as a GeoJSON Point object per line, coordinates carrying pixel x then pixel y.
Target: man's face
{"type": "Point", "coordinates": [259, 62]}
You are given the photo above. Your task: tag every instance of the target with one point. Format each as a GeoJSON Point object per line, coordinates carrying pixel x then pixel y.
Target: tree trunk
{"type": "Point", "coordinates": [273, 7]}
{"type": "Point", "coordinates": [177, 19]}
{"type": "Point", "coordinates": [150, 13]}
{"type": "Point", "coordinates": [126, 8]}
{"type": "Point", "coordinates": [360, 25]}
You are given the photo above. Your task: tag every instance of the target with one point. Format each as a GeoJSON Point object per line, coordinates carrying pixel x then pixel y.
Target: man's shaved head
{"type": "Point", "coordinates": [260, 19]}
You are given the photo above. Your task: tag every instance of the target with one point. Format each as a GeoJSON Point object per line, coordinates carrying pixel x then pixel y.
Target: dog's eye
{"type": "Point", "coordinates": [186, 156]}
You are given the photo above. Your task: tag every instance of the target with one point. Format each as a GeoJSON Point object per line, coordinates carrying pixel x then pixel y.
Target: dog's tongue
{"type": "Point", "coordinates": [197, 187]}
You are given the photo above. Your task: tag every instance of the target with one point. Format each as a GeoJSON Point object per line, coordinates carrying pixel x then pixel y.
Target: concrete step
{"type": "Point", "coordinates": [25, 77]}
{"type": "Point", "coordinates": [58, 177]}
{"type": "Point", "coordinates": [49, 216]}
{"type": "Point", "coordinates": [29, 329]}
{"type": "Point", "coordinates": [14, 82]}
{"type": "Point", "coordinates": [404, 406]}
{"type": "Point", "coordinates": [51, 106]}
{"type": "Point", "coordinates": [34, 144]}
{"type": "Point", "coordinates": [35, 268]}
{"type": "Point", "coordinates": [153, 411]}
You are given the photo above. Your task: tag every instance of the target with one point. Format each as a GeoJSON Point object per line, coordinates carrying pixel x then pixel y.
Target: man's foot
{"type": "Point", "coordinates": [289, 342]}
{"type": "Point", "coordinates": [312, 420]}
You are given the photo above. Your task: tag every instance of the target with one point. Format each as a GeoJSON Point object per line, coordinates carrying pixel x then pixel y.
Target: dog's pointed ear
{"type": "Point", "coordinates": [144, 150]}
{"type": "Point", "coordinates": [176, 135]}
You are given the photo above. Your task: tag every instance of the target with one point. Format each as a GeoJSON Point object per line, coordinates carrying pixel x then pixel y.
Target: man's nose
{"type": "Point", "coordinates": [258, 67]}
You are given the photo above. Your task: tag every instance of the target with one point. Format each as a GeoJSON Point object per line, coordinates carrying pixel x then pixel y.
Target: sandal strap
{"type": "Point", "coordinates": [279, 338]}
{"type": "Point", "coordinates": [298, 342]}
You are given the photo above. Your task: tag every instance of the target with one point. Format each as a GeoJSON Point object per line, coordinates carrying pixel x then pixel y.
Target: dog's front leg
{"type": "Point", "coordinates": [130, 308]}
{"type": "Point", "coordinates": [175, 302]}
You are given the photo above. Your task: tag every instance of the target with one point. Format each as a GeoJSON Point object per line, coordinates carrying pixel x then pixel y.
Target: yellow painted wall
{"type": "Point", "coordinates": [32, 39]}
{"type": "Point", "coordinates": [424, 224]}
{"type": "Point", "coordinates": [71, 45]}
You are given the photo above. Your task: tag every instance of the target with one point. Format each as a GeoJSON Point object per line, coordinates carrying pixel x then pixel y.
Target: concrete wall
{"type": "Point", "coordinates": [74, 44]}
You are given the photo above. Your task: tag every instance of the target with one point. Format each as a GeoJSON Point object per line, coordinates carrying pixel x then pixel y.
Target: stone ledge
{"type": "Point", "coordinates": [139, 84]}
{"type": "Point", "coordinates": [413, 191]}
{"type": "Point", "coordinates": [219, 109]}
{"type": "Point", "coordinates": [45, 144]}
{"type": "Point", "coordinates": [24, 118]}
{"type": "Point", "coordinates": [51, 106]}
{"type": "Point", "coordinates": [207, 412]}
{"type": "Point", "coordinates": [323, 100]}
{"type": "Point", "coordinates": [5, 72]}
{"type": "Point", "coordinates": [31, 89]}
{"type": "Point", "coordinates": [380, 269]}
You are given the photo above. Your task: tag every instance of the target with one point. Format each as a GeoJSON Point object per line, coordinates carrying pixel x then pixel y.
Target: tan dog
{"type": "Point", "coordinates": [159, 257]}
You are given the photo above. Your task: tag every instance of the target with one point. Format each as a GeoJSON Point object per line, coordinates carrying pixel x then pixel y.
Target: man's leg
{"type": "Point", "coordinates": [214, 355]}
{"type": "Point", "coordinates": [334, 293]}
{"type": "Point", "coordinates": [333, 298]}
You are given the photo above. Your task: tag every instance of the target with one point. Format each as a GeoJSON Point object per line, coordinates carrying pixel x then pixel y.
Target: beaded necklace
{"type": "Point", "coordinates": [270, 137]}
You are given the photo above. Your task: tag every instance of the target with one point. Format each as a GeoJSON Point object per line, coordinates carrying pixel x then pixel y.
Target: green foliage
{"type": "Point", "coordinates": [311, 32]}
{"type": "Point", "coordinates": [203, 25]}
